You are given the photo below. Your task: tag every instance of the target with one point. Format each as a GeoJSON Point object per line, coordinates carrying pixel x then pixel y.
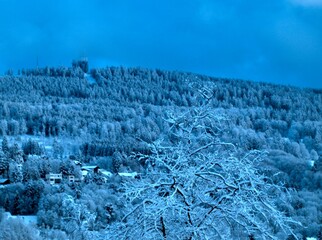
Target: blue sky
{"type": "Point", "coordinates": [277, 41]}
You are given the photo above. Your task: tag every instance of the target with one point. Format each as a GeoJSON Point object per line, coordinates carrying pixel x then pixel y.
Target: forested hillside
{"type": "Point", "coordinates": [136, 120]}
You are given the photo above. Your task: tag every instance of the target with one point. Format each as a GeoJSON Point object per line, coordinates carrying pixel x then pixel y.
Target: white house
{"type": "Point", "coordinates": [54, 178]}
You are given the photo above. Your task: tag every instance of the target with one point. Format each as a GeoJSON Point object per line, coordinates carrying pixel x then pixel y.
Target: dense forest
{"type": "Point", "coordinates": [181, 156]}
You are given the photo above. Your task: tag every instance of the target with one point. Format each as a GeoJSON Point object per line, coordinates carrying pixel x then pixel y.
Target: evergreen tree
{"type": "Point", "coordinates": [117, 161]}
{"type": "Point", "coordinates": [31, 147]}
{"type": "Point", "coordinates": [5, 146]}
{"type": "Point", "coordinates": [15, 172]}
{"type": "Point", "coordinates": [16, 154]}
{"type": "Point", "coordinates": [4, 163]}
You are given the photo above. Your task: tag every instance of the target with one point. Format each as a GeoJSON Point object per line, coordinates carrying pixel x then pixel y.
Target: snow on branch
{"type": "Point", "coordinates": [198, 187]}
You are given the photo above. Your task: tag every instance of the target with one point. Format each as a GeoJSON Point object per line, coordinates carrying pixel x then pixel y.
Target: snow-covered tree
{"type": "Point", "coordinates": [4, 163]}
{"type": "Point", "coordinates": [3, 127]}
{"type": "Point", "coordinates": [62, 211]}
{"type": "Point", "coordinates": [31, 147]}
{"type": "Point", "coordinates": [5, 145]}
{"type": "Point", "coordinates": [199, 187]}
{"type": "Point", "coordinates": [16, 229]}
{"type": "Point", "coordinates": [15, 172]}
{"type": "Point", "coordinates": [58, 149]}
{"type": "Point", "coordinates": [16, 154]}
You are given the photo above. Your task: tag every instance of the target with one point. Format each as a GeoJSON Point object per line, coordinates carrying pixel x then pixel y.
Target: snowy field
{"type": "Point", "coordinates": [29, 219]}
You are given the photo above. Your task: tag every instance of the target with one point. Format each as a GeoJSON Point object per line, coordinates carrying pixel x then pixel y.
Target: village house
{"type": "Point", "coordinates": [93, 169]}
{"type": "Point", "coordinates": [71, 178]}
{"type": "Point", "coordinates": [89, 169]}
{"type": "Point", "coordinates": [54, 178]}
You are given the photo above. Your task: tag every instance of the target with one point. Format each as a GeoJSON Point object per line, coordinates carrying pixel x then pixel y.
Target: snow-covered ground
{"type": "Point", "coordinates": [68, 144]}
{"type": "Point", "coordinates": [89, 78]}
{"type": "Point", "coordinates": [45, 142]}
{"type": "Point", "coordinates": [30, 219]}
{"type": "Point", "coordinates": [311, 163]}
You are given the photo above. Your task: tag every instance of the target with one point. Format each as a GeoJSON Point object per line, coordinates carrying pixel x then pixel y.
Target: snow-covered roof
{"type": "Point", "coordinates": [77, 162]}
{"type": "Point", "coordinates": [4, 180]}
{"type": "Point", "coordinates": [126, 174]}
{"type": "Point", "coordinates": [105, 173]}
{"type": "Point", "coordinates": [89, 167]}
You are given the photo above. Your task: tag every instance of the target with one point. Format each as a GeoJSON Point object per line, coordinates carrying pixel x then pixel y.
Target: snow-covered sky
{"type": "Point", "coordinates": [278, 41]}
